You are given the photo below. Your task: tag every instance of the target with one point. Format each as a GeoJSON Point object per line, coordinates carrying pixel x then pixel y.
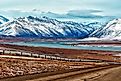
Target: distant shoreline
{"type": "Point", "coordinates": [57, 50]}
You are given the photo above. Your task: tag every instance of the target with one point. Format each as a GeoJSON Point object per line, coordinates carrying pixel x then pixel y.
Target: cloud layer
{"type": "Point", "coordinates": [109, 7]}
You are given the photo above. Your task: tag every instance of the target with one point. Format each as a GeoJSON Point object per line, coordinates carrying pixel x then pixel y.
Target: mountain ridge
{"type": "Point", "coordinates": [3, 19]}
{"type": "Point", "coordinates": [112, 30]}
{"type": "Point", "coordinates": [44, 27]}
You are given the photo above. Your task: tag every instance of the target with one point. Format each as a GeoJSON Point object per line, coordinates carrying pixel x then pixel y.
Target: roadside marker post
{"type": "Point", "coordinates": [3, 51]}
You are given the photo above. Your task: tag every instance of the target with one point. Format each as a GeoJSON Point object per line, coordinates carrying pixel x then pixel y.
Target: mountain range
{"type": "Point", "coordinates": [112, 30]}
{"type": "Point", "coordinates": [44, 27]}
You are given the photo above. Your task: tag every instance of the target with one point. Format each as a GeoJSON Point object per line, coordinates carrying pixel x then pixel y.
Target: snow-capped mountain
{"type": "Point", "coordinates": [111, 31]}
{"type": "Point", "coordinates": [44, 27]}
{"type": "Point", "coordinates": [3, 19]}
{"type": "Point", "coordinates": [95, 25]}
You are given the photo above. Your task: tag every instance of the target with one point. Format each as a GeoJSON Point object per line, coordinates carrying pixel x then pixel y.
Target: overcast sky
{"type": "Point", "coordinates": [109, 7]}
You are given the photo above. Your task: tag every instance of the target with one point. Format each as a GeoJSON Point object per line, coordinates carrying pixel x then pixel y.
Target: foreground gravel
{"type": "Point", "coordinates": [10, 67]}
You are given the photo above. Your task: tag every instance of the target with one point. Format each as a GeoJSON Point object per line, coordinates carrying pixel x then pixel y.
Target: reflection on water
{"type": "Point", "coordinates": [61, 45]}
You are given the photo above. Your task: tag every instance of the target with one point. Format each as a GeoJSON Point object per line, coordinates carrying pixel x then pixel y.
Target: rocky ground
{"type": "Point", "coordinates": [10, 67]}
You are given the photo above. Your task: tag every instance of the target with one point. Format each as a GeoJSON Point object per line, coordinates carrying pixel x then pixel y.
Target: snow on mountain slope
{"type": "Point", "coordinates": [111, 31]}
{"type": "Point", "coordinates": [44, 27]}
{"type": "Point", "coordinates": [3, 20]}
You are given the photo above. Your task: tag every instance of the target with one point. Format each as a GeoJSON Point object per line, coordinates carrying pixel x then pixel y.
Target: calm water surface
{"type": "Point", "coordinates": [61, 45]}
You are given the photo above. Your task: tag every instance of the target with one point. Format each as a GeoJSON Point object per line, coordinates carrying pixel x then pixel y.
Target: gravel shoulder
{"type": "Point", "coordinates": [111, 74]}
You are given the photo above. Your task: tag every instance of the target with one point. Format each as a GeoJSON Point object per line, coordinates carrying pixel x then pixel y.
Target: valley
{"type": "Point", "coordinates": [46, 49]}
